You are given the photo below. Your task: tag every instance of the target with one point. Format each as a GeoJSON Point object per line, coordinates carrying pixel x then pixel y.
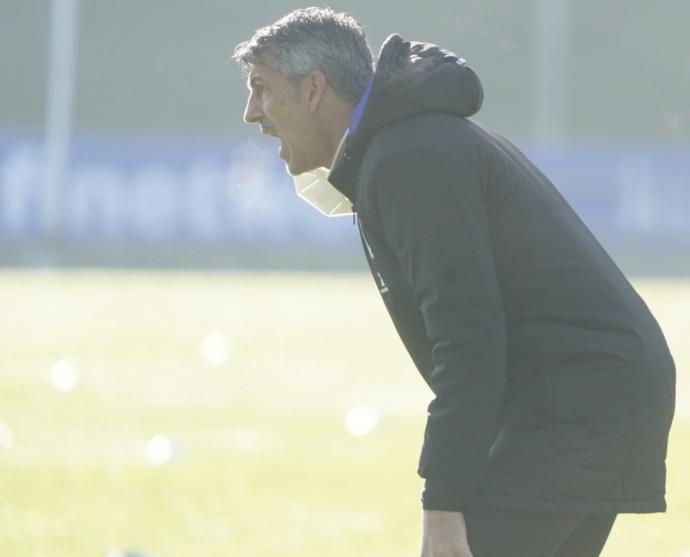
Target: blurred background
{"type": "Point", "coordinates": [185, 369]}
{"type": "Point", "coordinates": [122, 140]}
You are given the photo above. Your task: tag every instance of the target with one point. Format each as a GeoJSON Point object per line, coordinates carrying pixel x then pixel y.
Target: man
{"type": "Point", "coordinates": [554, 387]}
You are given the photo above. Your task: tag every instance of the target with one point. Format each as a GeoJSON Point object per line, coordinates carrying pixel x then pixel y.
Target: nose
{"type": "Point", "coordinates": [252, 112]}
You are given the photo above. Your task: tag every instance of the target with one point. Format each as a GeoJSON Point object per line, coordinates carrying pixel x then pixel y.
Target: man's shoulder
{"type": "Point", "coordinates": [444, 135]}
{"type": "Point", "coordinates": [432, 131]}
{"type": "Point", "coordinates": [440, 147]}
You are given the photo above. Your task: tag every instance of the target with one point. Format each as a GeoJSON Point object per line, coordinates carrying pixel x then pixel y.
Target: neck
{"type": "Point", "coordinates": [335, 132]}
{"type": "Point", "coordinates": [333, 120]}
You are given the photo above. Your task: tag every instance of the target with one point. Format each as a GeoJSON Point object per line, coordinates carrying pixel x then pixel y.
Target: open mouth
{"type": "Point", "coordinates": [282, 149]}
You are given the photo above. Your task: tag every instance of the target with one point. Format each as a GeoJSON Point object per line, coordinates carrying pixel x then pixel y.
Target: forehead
{"type": "Point", "coordinates": [263, 71]}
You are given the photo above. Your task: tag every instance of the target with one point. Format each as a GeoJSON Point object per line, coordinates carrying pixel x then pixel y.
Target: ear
{"type": "Point", "coordinates": [314, 87]}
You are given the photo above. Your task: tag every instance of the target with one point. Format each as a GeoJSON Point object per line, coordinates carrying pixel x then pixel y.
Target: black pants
{"type": "Point", "coordinates": [503, 533]}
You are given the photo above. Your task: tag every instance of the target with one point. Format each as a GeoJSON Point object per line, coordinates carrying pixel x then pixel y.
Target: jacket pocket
{"type": "Point", "coordinates": [593, 415]}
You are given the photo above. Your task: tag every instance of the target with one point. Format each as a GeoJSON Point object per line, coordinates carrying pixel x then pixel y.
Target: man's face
{"type": "Point", "coordinates": [283, 112]}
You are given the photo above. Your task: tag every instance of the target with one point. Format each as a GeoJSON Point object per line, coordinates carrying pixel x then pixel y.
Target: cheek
{"type": "Point", "coordinates": [279, 109]}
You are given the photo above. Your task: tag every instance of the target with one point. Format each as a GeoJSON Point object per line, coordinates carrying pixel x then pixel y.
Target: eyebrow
{"type": "Point", "coordinates": [254, 81]}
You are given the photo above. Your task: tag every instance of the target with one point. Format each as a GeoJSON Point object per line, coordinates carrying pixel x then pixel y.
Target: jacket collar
{"type": "Point", "coordinates": [343, 169]}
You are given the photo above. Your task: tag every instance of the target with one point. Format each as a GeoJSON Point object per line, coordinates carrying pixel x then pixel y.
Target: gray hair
{"type": "Point", "coordinates": [312, 39]}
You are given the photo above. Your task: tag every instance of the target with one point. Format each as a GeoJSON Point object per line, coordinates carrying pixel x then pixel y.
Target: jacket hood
{"type": "Point", "coordinates": [411, 78]}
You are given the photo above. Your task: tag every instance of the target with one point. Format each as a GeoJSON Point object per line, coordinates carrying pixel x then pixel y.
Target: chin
{"type": "Point", "coordinates": [295, 169]}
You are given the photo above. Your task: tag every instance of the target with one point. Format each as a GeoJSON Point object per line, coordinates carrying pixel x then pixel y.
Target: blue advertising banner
{"type": "Point", "coordinates": [161, 191]}
{"type": "Point", "coordinates": [235, 194]}
{"type": "Point", "coordinates": [626, 195]}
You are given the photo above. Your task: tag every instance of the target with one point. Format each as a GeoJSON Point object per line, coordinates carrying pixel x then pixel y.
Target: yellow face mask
{"type": "Point", "coordinates": [316, 190]}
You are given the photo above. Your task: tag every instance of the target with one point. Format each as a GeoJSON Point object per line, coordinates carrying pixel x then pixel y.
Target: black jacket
{"type": "Point", "coordinates": [554, 387]}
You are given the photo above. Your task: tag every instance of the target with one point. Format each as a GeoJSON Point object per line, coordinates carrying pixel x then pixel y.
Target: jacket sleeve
{"type": "Point", "coordinates": [429, 209]}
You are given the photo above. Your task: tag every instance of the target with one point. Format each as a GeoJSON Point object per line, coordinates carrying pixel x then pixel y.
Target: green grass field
{"type": "Point", "coordinates": [263, 464]}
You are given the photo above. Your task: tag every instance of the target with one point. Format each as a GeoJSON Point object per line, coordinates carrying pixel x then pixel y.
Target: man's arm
{"type": "Point", "coordinates": [430, 211]}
